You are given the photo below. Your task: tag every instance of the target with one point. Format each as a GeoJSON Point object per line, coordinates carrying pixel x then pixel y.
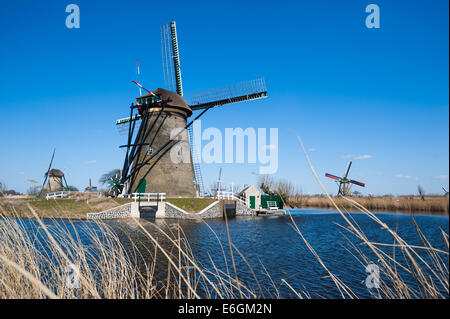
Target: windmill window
{"type": "Point", "coordinates": [149, 151]}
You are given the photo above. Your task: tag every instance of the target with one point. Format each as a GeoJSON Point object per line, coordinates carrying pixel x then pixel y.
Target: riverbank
{"type": "Point", "coordinates": [65, 208]}
{"type": "Point", "coordinates": [433, 205]}
{"type": "Point", "coordinates": [77, 208]}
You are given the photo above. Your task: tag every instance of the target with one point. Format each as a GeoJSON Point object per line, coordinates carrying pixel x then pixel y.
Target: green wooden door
{"type": "Point", "coordinates": [142, 185]}
{"type": "Point", "coordinates": [252, 202]}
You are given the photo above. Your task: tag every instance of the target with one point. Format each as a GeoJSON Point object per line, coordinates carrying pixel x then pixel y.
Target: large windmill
{"type": "Point", "coordinates": [344, 182]}
{"type": "Point", "coordinates": [160, 155]}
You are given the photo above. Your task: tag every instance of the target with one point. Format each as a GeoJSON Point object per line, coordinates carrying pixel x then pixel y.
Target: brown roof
{"type": "Point", "coordinates": [56, 173]}
{"type": "Point", "coordinates": [176, 101]}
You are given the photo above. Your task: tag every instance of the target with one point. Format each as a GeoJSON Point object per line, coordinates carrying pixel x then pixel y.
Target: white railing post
{"type": "Point", "coordinates": [149, 196]}
{"type": "Point", "coordinates": [229, 195]}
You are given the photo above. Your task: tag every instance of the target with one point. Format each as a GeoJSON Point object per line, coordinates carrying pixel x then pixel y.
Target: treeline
{"type": "Point", "coordinates": [293, 197]}
{"type": "Point", "coordinates": [5, 191]}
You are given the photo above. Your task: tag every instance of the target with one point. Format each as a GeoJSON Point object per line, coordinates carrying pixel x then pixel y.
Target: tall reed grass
{"type": "Point", "coordinates": [34, 264]}
{"type": "Point", "coordinates": [409, 204]}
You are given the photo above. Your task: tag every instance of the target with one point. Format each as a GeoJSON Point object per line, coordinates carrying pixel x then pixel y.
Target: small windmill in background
{"type": "Point", "coordinates": [344, 182]}
{"type": "Point", "coordinates": [445, 191]}
{"type": "Point", "coordinates": [55, 178]}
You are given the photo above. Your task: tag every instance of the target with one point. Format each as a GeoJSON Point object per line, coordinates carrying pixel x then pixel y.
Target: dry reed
{"type": "Point", "coordinates": [34, 264]}
{"type": "Point", "coordinates": [409, 204]}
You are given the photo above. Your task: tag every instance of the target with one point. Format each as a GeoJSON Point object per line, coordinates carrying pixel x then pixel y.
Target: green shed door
{"type": "Point", "coordinates": [142, 185]}
{"type": "Point", "coordinates": [252, 202]}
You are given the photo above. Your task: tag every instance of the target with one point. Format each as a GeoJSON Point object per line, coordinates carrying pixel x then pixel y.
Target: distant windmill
{"type": "Point", "coordinates": [344, 182]}
{"type": "Point", "coordinates": [55, 178]}
{"type": "Point", "coordinates": [90, 188]}
{"type": "Point", "coordinates": [156, 158]}
{"type": "Point", "coordinates": [445, 191]}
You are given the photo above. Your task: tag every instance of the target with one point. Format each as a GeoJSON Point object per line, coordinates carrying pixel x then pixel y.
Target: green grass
{"type": "Point", "coordinates": [76, 208]}
{"type": "Point", "coordinates": [122, 201]}
{"type": "Point", "coordinates": [191, 205]}
{"type": "Point", "coordinates": [62, 208]}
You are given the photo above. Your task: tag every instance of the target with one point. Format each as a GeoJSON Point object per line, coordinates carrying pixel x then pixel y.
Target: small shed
{"type": "Point", "coordinates": [252, 196]}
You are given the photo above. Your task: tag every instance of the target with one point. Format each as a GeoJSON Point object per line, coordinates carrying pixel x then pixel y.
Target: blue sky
{"type": "Point", "coordinates": [380, 95]}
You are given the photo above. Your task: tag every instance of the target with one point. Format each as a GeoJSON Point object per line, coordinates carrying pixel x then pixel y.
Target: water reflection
{"type": "Point", "coordinates": [271, 246]}
{"type": "Point", "coordinates": [275, 251]}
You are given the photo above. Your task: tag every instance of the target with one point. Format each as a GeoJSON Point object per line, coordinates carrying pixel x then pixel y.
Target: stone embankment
{"type": "Point", "coordinates": [150, 210]}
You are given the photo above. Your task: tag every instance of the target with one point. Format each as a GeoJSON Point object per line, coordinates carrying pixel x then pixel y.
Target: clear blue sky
{"type": "Point", "coordinates": [348, 91]}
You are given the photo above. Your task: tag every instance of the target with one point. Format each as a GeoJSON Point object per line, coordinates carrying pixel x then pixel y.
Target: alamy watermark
{"type": "Point", "coordinates": [373, 19]}
{"type": "Point", "coordinates": [73, 19]}
{"type": "Point", "coordinates": [73, 276]}
{"type": "Point", "coordinates": [250, 145]}
{"type": "Point", "coordinates": [373, 279]}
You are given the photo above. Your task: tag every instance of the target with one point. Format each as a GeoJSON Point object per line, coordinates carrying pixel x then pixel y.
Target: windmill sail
{"type": "Point", "coordinates": [349, 164]}
{"type": "Point", "coordinates": [167, 58]}
{"type": "Point", "coordinates": [46, 176]}
{"type": "Point", "coordinates": [333, 177]}
{"type": "Point", "coordinates": [173, 81]}
{"type": "Point", "coordinates": [357, 183]}
{"type": "Point", "coordinates": [123, 126]}
{"type": "Point", "coordinates": [176, 58]}
{"type": "Point", "coordinates": [195, 162]}
{"type": "Point", "coordinates": [239, 92]}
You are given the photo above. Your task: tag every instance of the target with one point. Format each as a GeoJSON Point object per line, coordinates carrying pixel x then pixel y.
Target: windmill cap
{"type": "Point", "coordinates": [56, 173]}
{"type": "Point", "coordinates": [176, 101]}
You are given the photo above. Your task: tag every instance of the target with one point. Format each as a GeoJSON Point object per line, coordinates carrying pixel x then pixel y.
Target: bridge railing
{"type": "Point", "coordinates": [230, 195]}
{"type": "Point", "coordinates": [56, 195]}
{"type": "Point", "coordinates": [159, 197]}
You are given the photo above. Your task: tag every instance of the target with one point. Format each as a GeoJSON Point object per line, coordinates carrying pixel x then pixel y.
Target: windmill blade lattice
{"type": "Point", "coordinates": [167, 54]}
{"type": "Point", "coordinates": [239, 92]}
{"type": "Point", "coordinates": [122, 125]}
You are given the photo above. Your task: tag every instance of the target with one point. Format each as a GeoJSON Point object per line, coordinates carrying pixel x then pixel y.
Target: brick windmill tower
{"type": "Point", "coordinates": [160, 155]}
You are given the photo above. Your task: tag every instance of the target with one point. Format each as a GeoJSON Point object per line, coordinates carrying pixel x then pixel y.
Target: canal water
{"type": "Point", "coordinates": [276, 252]}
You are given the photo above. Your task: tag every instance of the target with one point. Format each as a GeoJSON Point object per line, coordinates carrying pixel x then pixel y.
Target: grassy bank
{"type": "Point", "coordinates": [79, 207]}
{"type": "Point", "coordinates": [410, 204]}
{"type": "Point", "coordinates": [65, 208]}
